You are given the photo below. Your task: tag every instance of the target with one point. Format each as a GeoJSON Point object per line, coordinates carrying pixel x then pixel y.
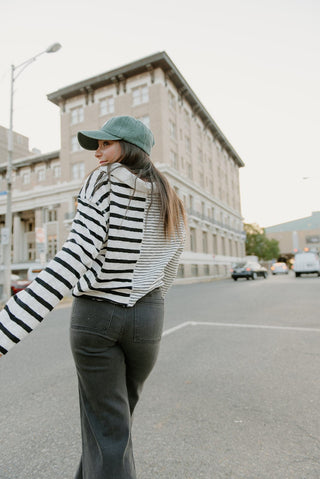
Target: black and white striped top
{"type": "Point", "coordinates": [116, 251]}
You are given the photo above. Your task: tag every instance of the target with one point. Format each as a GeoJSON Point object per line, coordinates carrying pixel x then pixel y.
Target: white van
{"type": "Point", "coordinates": [306, 263]}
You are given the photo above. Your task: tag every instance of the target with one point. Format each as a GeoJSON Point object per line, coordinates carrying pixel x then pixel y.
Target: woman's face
{"type": "Point", "coordinates": [108, 152]}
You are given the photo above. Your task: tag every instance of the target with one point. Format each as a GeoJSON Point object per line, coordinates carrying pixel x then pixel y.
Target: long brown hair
{"type": "Point", "coordinates": [140, 164]}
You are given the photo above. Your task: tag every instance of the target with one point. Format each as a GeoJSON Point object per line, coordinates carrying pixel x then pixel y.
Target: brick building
{"type": "Point", "coordinates": [190, 150]}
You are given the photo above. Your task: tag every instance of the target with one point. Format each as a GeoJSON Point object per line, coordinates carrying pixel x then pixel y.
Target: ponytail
{"type": "Point", "coordinates": [139, 163]}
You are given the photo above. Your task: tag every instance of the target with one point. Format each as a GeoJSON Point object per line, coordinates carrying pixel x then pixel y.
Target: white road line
{"type": "Point", "coordinates": [173, 330]}
{"type": "Point", "coordinates": [236, 325]}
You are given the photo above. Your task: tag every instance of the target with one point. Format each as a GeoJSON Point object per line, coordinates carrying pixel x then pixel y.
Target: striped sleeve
{"type": "Point", "coordinates": [24, 311]}
{"type": "Point", "coordinates": [170, 270]}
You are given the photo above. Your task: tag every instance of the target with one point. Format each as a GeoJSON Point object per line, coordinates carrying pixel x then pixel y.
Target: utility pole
{"type": "Point", "coordinates": [6, 233]}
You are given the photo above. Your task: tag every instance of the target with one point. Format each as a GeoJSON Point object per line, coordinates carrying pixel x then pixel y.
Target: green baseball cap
{"type": "Point", "coordinates": [124, 128]}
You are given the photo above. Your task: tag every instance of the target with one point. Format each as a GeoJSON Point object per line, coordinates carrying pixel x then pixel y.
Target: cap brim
{"type": "Point", "coordinates": [89, 139]}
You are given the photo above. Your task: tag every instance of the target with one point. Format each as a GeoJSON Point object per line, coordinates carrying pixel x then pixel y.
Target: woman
{"type": "Point", "coordinates": [120, 259]}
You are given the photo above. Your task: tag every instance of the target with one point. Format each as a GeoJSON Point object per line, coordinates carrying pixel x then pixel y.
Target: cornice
{"type": "Point", "coordinates": [31, 160]}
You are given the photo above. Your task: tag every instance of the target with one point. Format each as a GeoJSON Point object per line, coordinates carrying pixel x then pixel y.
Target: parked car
{"type": "Point", "coordinates": [306, 263]}
{"type": "Point", "coordinates": [248, 270]}
{"type": "Point", "coordinates": [18, 284]}
{"type": "Point", "coordinates": [279, 268]}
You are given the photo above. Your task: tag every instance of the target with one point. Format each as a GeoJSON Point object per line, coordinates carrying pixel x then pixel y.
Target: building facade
{"type": "Point", "coordinates": [190, 150]}
{"type": "Point", "coordinates": [297, 235]}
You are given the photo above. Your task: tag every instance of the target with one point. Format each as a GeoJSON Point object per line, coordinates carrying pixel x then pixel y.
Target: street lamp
{"type": "Point", "coordinates": [7, 231]}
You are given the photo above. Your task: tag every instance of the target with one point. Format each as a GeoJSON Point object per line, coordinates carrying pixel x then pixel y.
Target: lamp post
{"type": "Point", "coordinates": [7, 231]}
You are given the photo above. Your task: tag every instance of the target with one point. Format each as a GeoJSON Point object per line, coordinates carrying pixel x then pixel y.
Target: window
{"type": "Point", "coordinates": [145, 120]}
{"type": "Point", "coordinates": [41, 174]}
{"type": "Point", "coordinates": [201, 177]}
{"type": "Point", "coordinates": [29, 226]}
{"type": "Point", "coordinates": [172, 100]}
{"type": "Point", "coordinates": [180, 273]}
{"type": "Point", "coordinates": [172, 130]}
{"type": "Point", "coordinates": [211, 187]}
{"type": "Point", "coordinates": [188, 144]}
{"type": "Point", "coordinates": [106, 105]}
{"type": "Point", "coordinates": [174, 159]}
{"type": "Point", "coordinates": [193, 245]}
{"type": "Point", "coordinates": [77, 115]}
{"type": "Point", "coordinates": [26, 175]}
{"type": "Point", "coordinates": [52, 215]}
{"type": "Point", "coordinates": [223, 244]}
{"type": "Point", "coordinates": [236, 248]}
{"type": "Point", "coordinates": [187, 117]}
{"type": "Point", "coordinates": [52, 246]}
{"type": "Point", "coordinates": [140, 95]}
{"type": "Point", "coordinates": [194, 270]}
{"type": "Point", "coordinates": [214, 244]}
{"type": "Point", "coordinates": [56, 170]}
{"type": "Point", "coordinates": [77, 171]}
{"type": "Point", "coordinates": [205, 242]}
{"type": "Point", "coordinates": [230, 248]}
{"type": "Point", "coordinates": [75, 146]}
{"type": "Point", "coordinates": [189, 170]}
{"type": "Point", "coordinates": [31, 251]}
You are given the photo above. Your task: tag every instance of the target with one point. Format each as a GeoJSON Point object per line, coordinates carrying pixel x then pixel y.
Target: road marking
{"type": "Point", "coordinates": [235, 325]}
{"type": "Point", "coordinates": [173, 330]}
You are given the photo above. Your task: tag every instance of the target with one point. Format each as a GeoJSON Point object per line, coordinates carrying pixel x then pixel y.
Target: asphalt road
{"type": "Point", "coordinates": [234, 395]}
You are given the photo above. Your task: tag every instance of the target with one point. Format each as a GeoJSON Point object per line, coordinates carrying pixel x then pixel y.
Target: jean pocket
{"type": "Point", "coordinates": [148, 321]}
{"type": "Point", "coordinates": [89, 315]}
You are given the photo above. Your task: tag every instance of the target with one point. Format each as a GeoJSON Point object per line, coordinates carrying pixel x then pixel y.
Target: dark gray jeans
{"type": "Point", "coordinates": [114, 349]}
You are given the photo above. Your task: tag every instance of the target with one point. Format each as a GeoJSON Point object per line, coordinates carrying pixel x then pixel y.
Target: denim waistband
{"type": "Point", "coordinates": [94, 298]}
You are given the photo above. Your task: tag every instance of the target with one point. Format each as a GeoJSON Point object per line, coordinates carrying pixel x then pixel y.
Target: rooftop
{"type": "Point", "coordinates": [31, 160]}
{"type": "Point", "coordinates": [149, 63]}
{"type": "Point", "coordinates": [309, 223]}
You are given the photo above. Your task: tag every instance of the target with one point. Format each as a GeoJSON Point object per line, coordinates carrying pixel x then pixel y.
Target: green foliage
{"type": "Point", "coordinates": [258, 244]}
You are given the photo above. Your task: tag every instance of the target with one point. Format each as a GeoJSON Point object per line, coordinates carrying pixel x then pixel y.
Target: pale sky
{"type": "Point", "coordinates": [254, 64]}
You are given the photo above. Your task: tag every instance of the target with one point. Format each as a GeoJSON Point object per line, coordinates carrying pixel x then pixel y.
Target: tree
{"type": "Point", "coordinates": [258, 244]}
